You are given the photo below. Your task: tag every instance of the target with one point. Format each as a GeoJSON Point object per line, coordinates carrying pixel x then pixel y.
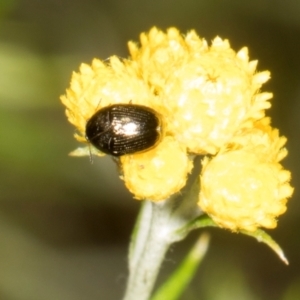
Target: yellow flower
{"type": "Point", "coordinates": [261, 139]}
{"type": "Point", "coordinates": [247, 188]}
{"type": "Point", "coordinates": [99, 85]}
{"type": "Point", "coordinates": [153, 174]}
{"type": "Point", "coordinates": [206, 94]}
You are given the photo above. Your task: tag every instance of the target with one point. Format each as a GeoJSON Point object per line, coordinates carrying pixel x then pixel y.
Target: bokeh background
{"type": "Point", "coordinates": [64, 222]}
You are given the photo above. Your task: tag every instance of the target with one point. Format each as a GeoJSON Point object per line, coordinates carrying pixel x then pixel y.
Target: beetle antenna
{"type": "Point", "coordinates": [91, 154]}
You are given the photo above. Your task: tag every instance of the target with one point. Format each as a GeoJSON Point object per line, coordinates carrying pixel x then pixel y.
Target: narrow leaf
{"type": "Point", "coordinates": [265, 238]}
{"type": "Point", "coordinates": [176, 284]}
{"type": "Point", "coordinates": [259, 234]}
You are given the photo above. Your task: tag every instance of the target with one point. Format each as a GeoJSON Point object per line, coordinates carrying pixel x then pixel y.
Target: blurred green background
{"type": "Point", "coordinates": [65, 223]}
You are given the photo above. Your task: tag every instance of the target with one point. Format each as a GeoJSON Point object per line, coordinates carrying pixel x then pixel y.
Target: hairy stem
{"type": "Point", "coordinates": [148, 250]}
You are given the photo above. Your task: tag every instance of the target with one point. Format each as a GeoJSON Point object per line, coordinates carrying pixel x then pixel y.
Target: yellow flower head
{"type": "Point", "coordinates": [246, 187]}
{"type": "Point", "coordinates": [153, 174]}
{"type": "Point", "coordinates": [206, 95]}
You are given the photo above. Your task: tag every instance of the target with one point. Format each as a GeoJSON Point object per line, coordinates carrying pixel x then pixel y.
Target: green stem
{"type": "Point", "coordinates": [151, 243]}
{"type": "Point", "coordinates": [157, 227]}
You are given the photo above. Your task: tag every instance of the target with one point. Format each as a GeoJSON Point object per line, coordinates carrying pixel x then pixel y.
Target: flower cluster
{"type": "Point", "coordinates": [210, 100]}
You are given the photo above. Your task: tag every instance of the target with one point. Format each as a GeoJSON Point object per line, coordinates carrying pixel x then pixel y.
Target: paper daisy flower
{"type": "Point", "coordinates": [206, 94]}
{"type": "Point", "coordinates": [245, 188]}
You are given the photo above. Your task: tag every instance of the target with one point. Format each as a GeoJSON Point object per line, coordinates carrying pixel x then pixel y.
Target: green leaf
{"type": "Point", "coordinates": [262, 236]}
{"type": "Point", "coordinates": [259, 234]}
{"type": "Point", "coordinates": [175, 285]}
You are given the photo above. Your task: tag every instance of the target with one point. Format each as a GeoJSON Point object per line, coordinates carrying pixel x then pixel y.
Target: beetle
{"type": "Point", "coordinates": [121, 129]}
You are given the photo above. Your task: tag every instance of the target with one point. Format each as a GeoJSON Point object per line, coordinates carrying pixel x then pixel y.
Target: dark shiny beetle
{"type": "Point", "coordinates": [124, 129]}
